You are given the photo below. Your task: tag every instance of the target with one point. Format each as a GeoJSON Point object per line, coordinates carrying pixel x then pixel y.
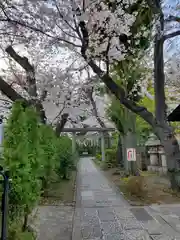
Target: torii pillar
{"type": "Point", "coordinates": [103, 147]}
{"type": "Point", "coordinates": [73, 143]}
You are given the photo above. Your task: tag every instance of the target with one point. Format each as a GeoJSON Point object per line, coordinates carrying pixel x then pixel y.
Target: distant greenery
{"type": "Point", "coordinates": [123, 118]}
{"type": "Point", "coordinates": [110, 158]}
{"type": "Point", "coordinates": [88, 148]}
{"type": "Point", "coordinates": [33, 154]}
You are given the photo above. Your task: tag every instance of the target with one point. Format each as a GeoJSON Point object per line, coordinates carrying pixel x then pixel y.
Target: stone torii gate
{"type": "Point", "coordinates": [89, 129]}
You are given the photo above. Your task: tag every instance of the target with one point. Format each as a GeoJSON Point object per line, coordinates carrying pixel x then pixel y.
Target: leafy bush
{"type": "Point", "coordinates": [33, 154]}
{"type": "Point", "coordinates": [66, 161]}
{"type": "Point", "coordinates": [21, 157]}
{"type": "Point", "coordinates": [136, 185]}
{"type": "Point", "coordinates": [111, 160]}
{"type": "Point", "coordinates": [15, 233]}
{"type": "Point", "coordinates": [99, 157]}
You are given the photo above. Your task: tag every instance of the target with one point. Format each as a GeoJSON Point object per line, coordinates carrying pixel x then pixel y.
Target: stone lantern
{"type": "Point", "coordinates": [153, 145]}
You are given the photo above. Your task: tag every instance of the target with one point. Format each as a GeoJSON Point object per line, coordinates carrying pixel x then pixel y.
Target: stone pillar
{"type": "Point", "coordinates": [73, 143]}
{"type": "Point", "coordinates": [102, 146]}
{"type": "Point", "coordinates": [164, 163]}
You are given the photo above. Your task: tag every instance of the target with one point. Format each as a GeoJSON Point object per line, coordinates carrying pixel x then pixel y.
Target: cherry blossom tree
{"type": "Point", "coordinates": [101, 31]}
{"type": "Point", "coordinates": [172, 68]}
{"type": "Point", "coordinates": [48, 88]}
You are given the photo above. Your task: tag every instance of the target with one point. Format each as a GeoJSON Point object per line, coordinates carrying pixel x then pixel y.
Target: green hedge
{"type": "Point", "coordinates": [33, 154]}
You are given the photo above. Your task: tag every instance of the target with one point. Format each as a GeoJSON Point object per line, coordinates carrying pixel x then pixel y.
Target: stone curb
{"type": "Point", "coordinates": [76, 224]}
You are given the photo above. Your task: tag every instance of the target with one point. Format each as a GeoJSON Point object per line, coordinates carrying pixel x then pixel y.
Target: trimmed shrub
{"type": "Point", "coordinates": [33, 155]}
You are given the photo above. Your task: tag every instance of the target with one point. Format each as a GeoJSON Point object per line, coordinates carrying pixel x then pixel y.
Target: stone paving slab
{"type": "Point", "coordinates": [153, 227]}
{"type": "Point", "coordinates": [106, 214]}
{"type": "Point", "coordinates": [141, 214]}
{"type": "Point", "coordinates": [54, 222]}
{"type": "Point", "coordinates": [168, 217]}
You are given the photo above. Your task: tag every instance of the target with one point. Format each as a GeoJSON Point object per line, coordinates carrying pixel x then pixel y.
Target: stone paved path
{"type": "Point", "coordinates": [102, 213]}
{"type": "Point", "coordinates": [53, 222]}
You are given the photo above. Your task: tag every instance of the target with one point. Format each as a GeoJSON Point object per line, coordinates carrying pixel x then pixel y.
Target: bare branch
{"type": "Point", "coordinates": [171, 35]}
{"type": "Point", "coordinates": [76, 25]}
{"type": "Point", "coordinates": [172, 18]}
{"type": "Point", "coordinates": [106, 55]}
{"type": "Point", "coordinates": [23, 61]}
{"type": "Point", "coordinates": [43, 95]}
{"type": "Point", "coordinates": [84, 8]}
{"type": "Point", "coordinates": [68, 34]}
{"type": "Point", "coordinates": [62, 17]}
{"type": "Point", "coordinates": [59, 114]}
{"type": "Point", "coordinates": [7, 90]}
{"type": "Point", "coordinates": [60, 125]}
{"type": "Point", "coordinates": [5, 100]}
{"type": "Point", "coordinates": [15, 22]}
{"type": "Point", "coordinates": [93, 103]}
{"type": "Point", "coordinates": [85, 38]}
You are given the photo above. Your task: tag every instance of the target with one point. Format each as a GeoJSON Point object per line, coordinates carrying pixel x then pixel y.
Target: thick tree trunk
{"type": "Point", "coordinates": [120, 152]}
{"type": "Point", "coordinates": [171, 148]}
{"type": "Point", "coordinates": [131, 143]}
{"type": "Point", "coordinates": [159, 80]}
{"type": "Point", "coordinates": [30, 81]}
{"type": "Point", "coordinates": [125, 142]}
{"type": "Point", "coordinates": [172, 152]}
{"type": "Point", "coordinates": [168, 139]}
